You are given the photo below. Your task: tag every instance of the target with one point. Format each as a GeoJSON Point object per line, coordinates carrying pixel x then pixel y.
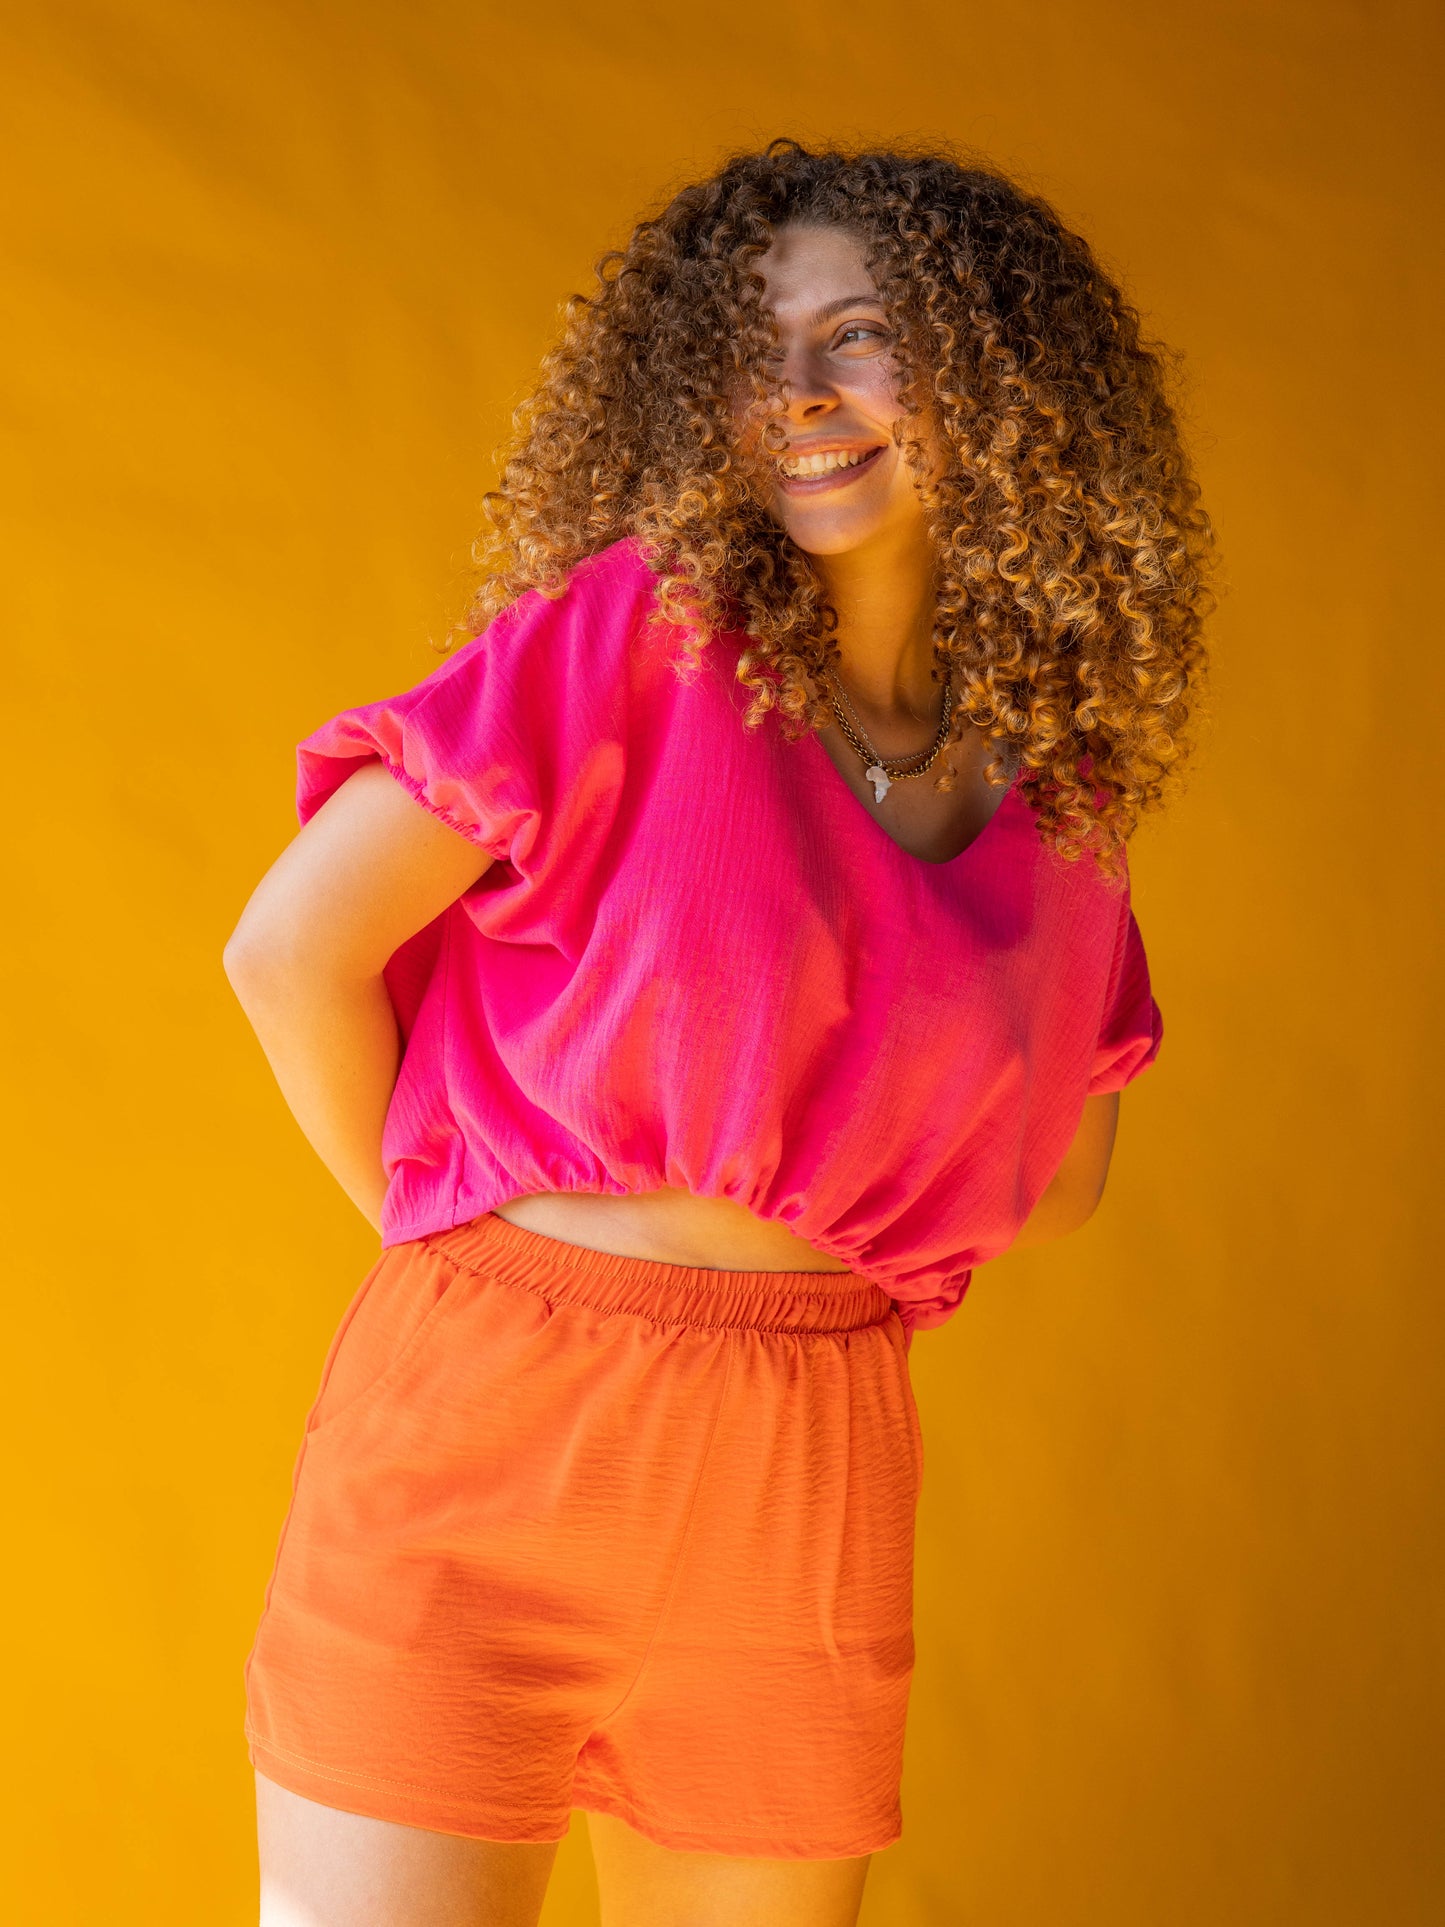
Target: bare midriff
{"type": "Point", "coordinates": [671, 1226]}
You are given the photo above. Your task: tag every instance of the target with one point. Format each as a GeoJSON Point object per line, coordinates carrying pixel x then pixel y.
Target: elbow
{"type": "Point", "coordinates": [1073, 1208]}
{"type": "Point", "coordinates": [1086, 1208]}
{"type": "Point", "coordinates": [254, 956]}
{"type": "Point", "coordinates": [1087, 1202]}
{"type": "Point", "coordinates": [266, 957]}
{"type": "Point", "coordinates": [244, 962]}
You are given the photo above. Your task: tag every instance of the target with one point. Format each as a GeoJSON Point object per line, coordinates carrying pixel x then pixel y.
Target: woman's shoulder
{"type": "Point", "coordinates": [625, 564]}
{"type": "Point", "coordinates": [501, 726]}
{"type": "Point", "coordinates": [586, 627]}
{"type": "Point", "coordinates": [612, 590]}
{"type": "Point", "coordinates": [571, 653]}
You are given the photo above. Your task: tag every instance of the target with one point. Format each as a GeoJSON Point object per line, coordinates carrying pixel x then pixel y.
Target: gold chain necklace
{"type": "Point", "coordinates": [884, 771]}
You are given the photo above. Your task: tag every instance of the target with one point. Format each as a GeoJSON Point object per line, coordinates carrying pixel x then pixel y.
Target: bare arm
{"type": "Point", "coordinates": [369, 870]}
{"type": "Point", "coordinates": [1077, 1186]}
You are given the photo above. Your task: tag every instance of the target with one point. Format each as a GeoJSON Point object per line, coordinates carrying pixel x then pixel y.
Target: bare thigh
{"type": "Point", "coordinates": [324, 1868]}
{"type": "Point", "coordinates": [644, 1885]}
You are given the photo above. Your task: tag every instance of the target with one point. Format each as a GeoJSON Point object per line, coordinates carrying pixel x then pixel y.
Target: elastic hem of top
{"type": "Point", "coordinates": [417, 790]}
{"type": "Point", "coordinates": [606, 1281]}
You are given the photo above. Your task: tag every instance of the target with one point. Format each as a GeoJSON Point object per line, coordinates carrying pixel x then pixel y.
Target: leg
{"type": "Point", "coordinates": [324, 1868]}
{"type": "Point", "coordinates": [644, 1885]}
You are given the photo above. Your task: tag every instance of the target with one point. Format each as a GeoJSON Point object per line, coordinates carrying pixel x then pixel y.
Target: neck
{"type": "Point", "coordinates": [885, 597]}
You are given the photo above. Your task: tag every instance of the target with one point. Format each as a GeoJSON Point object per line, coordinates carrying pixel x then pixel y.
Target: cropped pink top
{"type": "Point", "coordinates": [697, 960]}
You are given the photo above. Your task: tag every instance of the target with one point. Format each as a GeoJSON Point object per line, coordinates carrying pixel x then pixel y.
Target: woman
{"type": "Point", "coordinates": [692, 978]}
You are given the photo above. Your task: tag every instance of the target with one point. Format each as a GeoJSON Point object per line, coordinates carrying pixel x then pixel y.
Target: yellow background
{"type": "Point", "coordinates": [276, 274]}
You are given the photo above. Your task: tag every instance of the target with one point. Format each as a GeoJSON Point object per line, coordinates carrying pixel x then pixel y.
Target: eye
{"type": "Point", "coordinates": [861, 331]}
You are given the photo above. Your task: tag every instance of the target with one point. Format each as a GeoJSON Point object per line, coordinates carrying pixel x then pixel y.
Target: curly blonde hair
{"type": "Point", "coordinates": [1071, 545]}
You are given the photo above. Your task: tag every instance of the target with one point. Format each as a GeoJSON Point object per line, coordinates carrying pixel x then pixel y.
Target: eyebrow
{"type": "Point", "coordinates": [830, 308]}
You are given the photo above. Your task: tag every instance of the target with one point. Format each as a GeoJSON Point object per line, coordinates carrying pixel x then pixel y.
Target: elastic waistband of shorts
{"type": "Point", "coordinates": [781, 1301]}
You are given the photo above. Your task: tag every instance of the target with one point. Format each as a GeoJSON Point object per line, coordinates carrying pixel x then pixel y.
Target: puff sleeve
{"type": "Point", "coordinates": [458, 741]}
{"type": "Point", "coordinates": [1132, 1028]}
{"type": "Point", "coordinates": [514, 740]}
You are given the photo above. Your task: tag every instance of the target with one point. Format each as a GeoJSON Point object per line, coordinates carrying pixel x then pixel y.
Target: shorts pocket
{"type": "Point", "coordinates": [917, 1429]}
{"type": "Point", "coordinates": [398, 1308]}
{"type": "Point", "coordinates": [915, 1423]}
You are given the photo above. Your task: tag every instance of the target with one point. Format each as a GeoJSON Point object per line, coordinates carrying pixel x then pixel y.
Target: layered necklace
{"type": "Point", "coordinates": [884, 771]}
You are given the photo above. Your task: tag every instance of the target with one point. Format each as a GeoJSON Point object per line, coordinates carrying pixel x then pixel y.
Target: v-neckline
{"type": "Point", "coordinates": [847, 796]}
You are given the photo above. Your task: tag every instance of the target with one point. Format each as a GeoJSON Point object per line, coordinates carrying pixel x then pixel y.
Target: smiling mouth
{"type": "Point", "coordinates": [811, 473]}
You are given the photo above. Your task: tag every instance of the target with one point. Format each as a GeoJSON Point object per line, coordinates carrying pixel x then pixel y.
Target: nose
{"type": "Point", "coordinates": [810, 394]}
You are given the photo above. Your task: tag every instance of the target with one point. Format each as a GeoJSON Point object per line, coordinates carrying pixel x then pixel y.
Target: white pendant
{"type": "Point", "coordinates": [879, 778]}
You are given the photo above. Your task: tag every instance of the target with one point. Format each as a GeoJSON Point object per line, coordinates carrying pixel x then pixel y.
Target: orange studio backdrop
{"type": "Point", "coordinates": [275, 276]}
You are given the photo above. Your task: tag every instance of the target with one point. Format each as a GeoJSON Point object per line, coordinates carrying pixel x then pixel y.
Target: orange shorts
{"type": "Point", "coordinates": [574, 1530]}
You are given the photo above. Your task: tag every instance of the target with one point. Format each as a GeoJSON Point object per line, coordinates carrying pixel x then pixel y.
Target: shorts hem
{"type": "Point", "coordinates": [400, 1801]}
{"type": "Point", "coordinates": [743, 1846]}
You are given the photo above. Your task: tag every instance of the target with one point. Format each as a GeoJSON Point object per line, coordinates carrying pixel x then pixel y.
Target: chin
{"type": "Point", "coordinates": [837, 538]}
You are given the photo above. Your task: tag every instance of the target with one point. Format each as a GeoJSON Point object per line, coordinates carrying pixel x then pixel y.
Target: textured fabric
{"type": "Point", "coordinates": [698, 961]}
{"type": "Point", "coordinates": [569, 1529]}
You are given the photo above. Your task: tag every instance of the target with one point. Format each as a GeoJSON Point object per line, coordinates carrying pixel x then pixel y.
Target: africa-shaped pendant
{"type": "Point", "coordinates": [879, 778]}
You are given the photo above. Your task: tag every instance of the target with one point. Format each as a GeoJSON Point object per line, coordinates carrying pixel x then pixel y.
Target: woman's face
{"type": "Point", "coordinates": [841, 482]}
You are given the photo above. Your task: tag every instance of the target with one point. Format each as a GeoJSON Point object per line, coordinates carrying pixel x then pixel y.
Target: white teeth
{"type": "Point", "coordinates": [800, 465]}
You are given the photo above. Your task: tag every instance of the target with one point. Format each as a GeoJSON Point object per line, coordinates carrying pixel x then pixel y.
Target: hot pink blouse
{"type": "Point", "coordinates": [698, 961]}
